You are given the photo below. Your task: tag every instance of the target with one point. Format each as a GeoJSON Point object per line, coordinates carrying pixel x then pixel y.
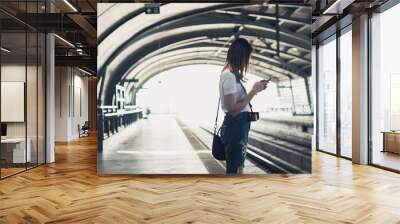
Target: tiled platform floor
{"type": "Point", "coordinates": [160, 145]}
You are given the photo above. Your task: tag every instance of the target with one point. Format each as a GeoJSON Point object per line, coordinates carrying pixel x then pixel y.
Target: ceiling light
{"type": "Point", "coordinates": [228, 12]}
{"type": "Point", "coordinates": [70, 5]}
{"type": "Point", "coordinates": [5, 50]}
{"type": "Point", "coordinates": [331, 7]}
{"type": "Point", "coordinates": [64, 40]}
{"type": "Point", "coordinates": [337, 7]}
{"type": "Point", "coordinates": [84, 71]}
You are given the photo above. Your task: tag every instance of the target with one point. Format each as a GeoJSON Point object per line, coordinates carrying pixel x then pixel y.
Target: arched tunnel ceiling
{"type": "Point", "coordinates": [140, 45]}
{"type": "Point", "coordinates": [259, 65]}
{"type": "Point", "coordinates": [189, 60]}
{"type": "Point", "coordinates": [273, 66]}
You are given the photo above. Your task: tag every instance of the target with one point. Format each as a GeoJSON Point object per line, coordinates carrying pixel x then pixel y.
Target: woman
{"type": "Point", "coordinates": [235, 102]}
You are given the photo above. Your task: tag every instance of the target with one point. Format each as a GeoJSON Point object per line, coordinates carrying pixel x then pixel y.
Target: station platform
{"type": "Point", "coordinates": [162, 144]}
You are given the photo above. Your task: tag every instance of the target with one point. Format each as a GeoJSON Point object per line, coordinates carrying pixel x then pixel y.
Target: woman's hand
{"type": "Point", "coordinates": [259, 86]}
{"type": "Point", "coordinates": [234, 107]}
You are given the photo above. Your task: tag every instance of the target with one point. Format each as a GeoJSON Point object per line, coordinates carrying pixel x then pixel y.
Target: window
{"type": "Point", "coordinates": [327, 95]}
{"type": "Point", "coordinates": [385, 89]}
{"type": "Point", "coordinates": [346, 93]}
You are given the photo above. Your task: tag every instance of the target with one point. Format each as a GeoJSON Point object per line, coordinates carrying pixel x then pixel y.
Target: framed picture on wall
{"type": "Point", "coordinates": [13, 98]}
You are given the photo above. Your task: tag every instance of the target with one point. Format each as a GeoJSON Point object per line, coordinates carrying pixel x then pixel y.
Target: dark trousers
{"type": "Point", "coordinates": [235, 133]}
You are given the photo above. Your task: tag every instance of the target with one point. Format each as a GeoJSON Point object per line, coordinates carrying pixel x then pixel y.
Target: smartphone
{"type": "Point", "coordinates": [267, 80]}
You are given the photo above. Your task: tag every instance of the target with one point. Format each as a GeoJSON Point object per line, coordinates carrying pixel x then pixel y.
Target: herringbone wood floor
{"type": "Point", "coordinates": [70, 191]}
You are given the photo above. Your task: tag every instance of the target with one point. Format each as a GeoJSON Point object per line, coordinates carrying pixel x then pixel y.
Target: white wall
{"type": "Point", "coordinates": [34, 125]}
{"type": "Point", "coordinates": [71, 102]}
{"type": "Point", "coordinates": [80, 103]}
{"type": "Point", "coordinates": [12, 73]}
{"type": "Point", "coordinates": [61, 103]}
{"type": "Point", "coordinates": [17, 73]}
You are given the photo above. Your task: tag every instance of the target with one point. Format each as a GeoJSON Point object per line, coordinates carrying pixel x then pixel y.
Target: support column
{"type": "Point", "coordinates": [50, 92]}
{"type": "Point", "coordinates": [360, 90]}
{"type": "Point", "coordinates": [314, 94]}
{"type": "Point", "coordinates": [50, 99]}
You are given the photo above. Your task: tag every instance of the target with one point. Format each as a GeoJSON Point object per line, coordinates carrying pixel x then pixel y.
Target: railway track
{"type": "Point", "coordinates": [272, 154]}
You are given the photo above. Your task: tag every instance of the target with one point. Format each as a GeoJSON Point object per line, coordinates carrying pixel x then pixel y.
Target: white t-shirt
{"type": "Point", "coordinates": [228, 85]}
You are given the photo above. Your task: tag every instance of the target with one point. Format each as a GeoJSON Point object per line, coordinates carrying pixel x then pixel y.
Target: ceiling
{"type": "Point", "coordinates": [137, 46]}
{"type": "Point", "coordinates": [74, 22]}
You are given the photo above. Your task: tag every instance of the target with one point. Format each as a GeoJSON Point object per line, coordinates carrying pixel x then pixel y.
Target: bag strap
{"type": "Point", "coordinates": [244, 89]}
{"type": "Point", "coordinates": [219, 103]}
{"type": "Point", "coordinates": [216, 118]}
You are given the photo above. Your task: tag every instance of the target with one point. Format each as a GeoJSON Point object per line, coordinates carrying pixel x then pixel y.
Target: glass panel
{"type": "Point", "coordinates": [327, 96]}
{"type": "Point", "coordinates": [13, 86]}
{"type": "Point", "coordinates": [31, 98]}
{"type": "Point", "coordinates": [346, 94]}
{"type": "Point", "coordinates": [31, 86]}
{"type": "Point", "coordinates": [41, 99]}
{"type": "Point", "coordinates": [385, 89]}
{"type": "Point", "coordinates": [23, 82]}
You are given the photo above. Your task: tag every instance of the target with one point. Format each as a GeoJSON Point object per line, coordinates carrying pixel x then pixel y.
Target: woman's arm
{"type": "Point", "coordinates": [234, 107]}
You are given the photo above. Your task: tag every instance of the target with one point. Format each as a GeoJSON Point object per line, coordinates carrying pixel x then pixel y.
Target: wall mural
{"type": "Point", "coordinates": [165, 70]}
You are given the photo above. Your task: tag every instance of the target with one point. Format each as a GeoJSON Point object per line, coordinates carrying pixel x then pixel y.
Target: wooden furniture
{"type": "Point", "coordinates": [391, 141]}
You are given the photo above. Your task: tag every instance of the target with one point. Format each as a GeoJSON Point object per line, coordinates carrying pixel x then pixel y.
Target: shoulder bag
{"type": "Point", "coordinates": [218, 148]}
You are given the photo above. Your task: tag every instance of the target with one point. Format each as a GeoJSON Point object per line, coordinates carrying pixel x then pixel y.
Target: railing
{"type": "Point", "coordinates": [111, 120]}
{"type": "Point", "coordinates": [298, 110]}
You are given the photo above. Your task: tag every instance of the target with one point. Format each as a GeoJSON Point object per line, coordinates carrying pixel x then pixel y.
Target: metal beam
{"type": "Point", "coordinates": [167, 24]}
{"type": "Point", "coordinates": [171, 59]}
{"type": "Point", "coordinates": [167, 65]}
{"type": "Point", "coordinates": [266, 16]}
{"type": "Point", "coordinates": [154, 43]}
{"type": "Point", "coordinates": [277, 26]}
{"type": "Point", "coordinates": [86, 26]}
{"type": "Point", "coordinates": [148, 38]}
{"type": "Point", "coordinates": [83, 61]}
{"type": "Point", "coordinates": [201, 44]}
{"type": "Point", "coordinates": [257, 56]}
